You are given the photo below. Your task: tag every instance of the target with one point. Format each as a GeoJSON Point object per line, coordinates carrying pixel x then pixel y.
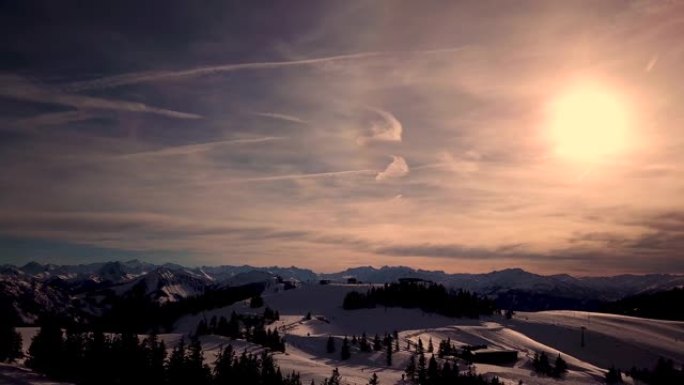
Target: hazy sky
{"type": "Point", "coordinates": [326, 134]}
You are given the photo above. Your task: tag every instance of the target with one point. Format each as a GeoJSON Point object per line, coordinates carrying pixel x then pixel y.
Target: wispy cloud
{"type": "Point", "coordinates": [153, 76]}
{"type": "Point", "coordinates": [388, 129]}
{"type": "Point", "coordinates": [14, 87]}
{"type": "Point", "coordinates": [307, 176]}
{"type": "Point", "coordinates": [51, 119]}
{"type": "Point", "coordinates": [397, 169]}
{"type": "Point", "coordinates": [287, 118]}
{"type": "Point", "coordinates": [198, 147]}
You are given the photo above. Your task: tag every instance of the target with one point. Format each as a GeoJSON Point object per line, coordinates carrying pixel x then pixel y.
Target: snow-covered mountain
{"type": "Point", "coordinates": [34, 287]}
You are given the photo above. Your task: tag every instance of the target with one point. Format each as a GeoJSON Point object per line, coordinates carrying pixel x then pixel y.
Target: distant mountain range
{"type": "Point", "coordinates": [33, 288]}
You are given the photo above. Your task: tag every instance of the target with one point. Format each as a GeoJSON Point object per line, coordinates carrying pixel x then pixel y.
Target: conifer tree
{"type": "Point", "coordinates": [10, 342]}
{"type": "Point", "coordinates": [560, 367]}
{"type": "Point", "coordinates": [330, 345]}
{"type": "Point", "coordinates": [411, 368]}
{"type": "Point", "coordinates": [345, 352]}
{"type": "Point", "coordinates": [194, 362]}
{"type": "Point", "coordinates": [377, 344]}
{"type": "Point", "coordinates": [422, 369]}
{"type": "Point", "coordinates": [374, 380]}
{"type": "Point", "coordinates": [389, 352]}
{"type": "Point", "coordinates": [176, 366]}
{"type": "Point", "coordinates": [430, 348]}
{"type": "Point", "coordinates": [47, 349]}
{"type": "Point", "coordinates": [432, 370]}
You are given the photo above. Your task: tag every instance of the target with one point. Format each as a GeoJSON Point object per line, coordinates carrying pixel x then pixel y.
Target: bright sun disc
{"type": "Point", "coordinates": [588, 124]}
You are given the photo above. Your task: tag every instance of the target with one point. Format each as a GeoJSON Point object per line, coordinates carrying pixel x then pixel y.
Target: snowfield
{"type": "Point", "coordinates": [609, 339]}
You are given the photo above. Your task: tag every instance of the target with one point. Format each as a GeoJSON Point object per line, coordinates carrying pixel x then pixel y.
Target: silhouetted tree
{"type": "Point", "coordinates": [46, 352]}
{"type": "Point", "coordinates": [10, 342]}
{"type": "Point", "coordinates": [345, 352]}
{"type": "Point", "coordinates": [330, 345]}
{"type": "Point", "coordinates": [256, 302]}
{"type": "Point", "coordinates": [613, 376]}
{"type": "Point", "coordinates": [374, 380]}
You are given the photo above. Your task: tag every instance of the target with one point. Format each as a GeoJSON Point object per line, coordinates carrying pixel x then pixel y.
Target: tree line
{"type": "Point", "coordinates": [423, 371]}
{"type": "Point", "coordinates": [249, 327]}
{"type": "Point", "coordinates": [429, 297]}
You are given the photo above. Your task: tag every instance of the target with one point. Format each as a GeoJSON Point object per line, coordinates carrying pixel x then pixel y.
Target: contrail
{"type": "Point", "coordinates": [199, 147]}
{"type": "Point", "coordinates": [152, 76]}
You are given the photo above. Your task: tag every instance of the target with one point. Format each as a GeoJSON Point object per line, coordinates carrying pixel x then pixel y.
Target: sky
{"type": "Point", "coordinates": [464, 136]}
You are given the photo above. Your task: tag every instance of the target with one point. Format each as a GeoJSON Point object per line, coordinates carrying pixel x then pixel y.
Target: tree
{"type": "Point", "coordinates": [330, 346]}
{"type": "Point", "coordinates": [377, 344]}
{"type": "Point", "coordinates": [10, 343]}
{"type": "Point", "coordinates": [374, 380]}
{"type": "Point", "coordinates": [256, 302]}
{"type": "Point", "coordinates": [47, 349]}
{"type": "Point", "coordinates": [194, 363]}
{"type": "Point", "coordinates": [541, 364]}
{"type": "Point", "coordinates": [560, 367]}
{"type": "Point", "coordinates": [345, 352]}
{"type": "Point", "coordinates": [334, 378]}
{"type": "Point", "coordinates": [176, 369]}
{"type": "Point", "coordinates": [422, 370]}
{"type": "Point", "coordinates": [411, 368]}
{"type": "Point", "coordinates": [389, 352]}
{"type": "Point", "coordinates": [613, 376]}
{"type": "Point", "coordinates": [430, 348]}
{"type": "Point", "coordinates": [420, 349]}
{"type": "Point", "coordinates": [432, 370]}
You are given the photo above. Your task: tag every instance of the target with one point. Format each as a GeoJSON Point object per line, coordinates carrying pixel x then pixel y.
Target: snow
{"type": "Point", "coordinates": [609, 339]}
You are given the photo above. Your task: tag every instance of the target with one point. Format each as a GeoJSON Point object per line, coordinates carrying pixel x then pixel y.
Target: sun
{"type": "Point", "coordinates": [589, 124]}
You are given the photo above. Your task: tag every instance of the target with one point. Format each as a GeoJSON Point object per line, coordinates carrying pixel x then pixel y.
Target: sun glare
{"type": "Point", "coordinates": [589, 124]}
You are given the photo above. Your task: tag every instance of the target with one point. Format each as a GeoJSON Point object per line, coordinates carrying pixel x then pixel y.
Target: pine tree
{"type": "Point", "coordinates": [377, 344]}
{"type": "Point", "coordinates": [47, 350]}
{"type": "Point", "coordinates": [560, 367]}
{"type": "Point", "coordinates": [345, 352]}
{"type": "Point", "coordinates": [411, 368]}
{"type": "Point", "coordinates": [176, 369]}
{"type": "Point", "coordinates": [419, 350]}
{"type": "Point", "coordinates": [10, 342]}
{"type": "Point", "coordinates": [334, 378]}
{"type": "Point", "coordinates": [196, 369]}
{"type": "Point", "coordinates": [422, 370]}
{"type": "Point", "coordinates": [613, 376]}
{"type": "Point", "coordinates": [432, 369]}
{"type": "Point", "coordinates": [330, 346]}
{"type": "Point", "coordinates": [430, 348]}
{"type": "Point", "coordinates": [374, 380]}
{"type": "Point", "coordinates": [157, 359]}
{"type": "Point", "coordinates": [389, 352]}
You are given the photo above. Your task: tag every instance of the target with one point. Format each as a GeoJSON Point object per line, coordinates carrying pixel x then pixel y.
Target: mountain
{"type": "Point", "coordinates": [33, 288]}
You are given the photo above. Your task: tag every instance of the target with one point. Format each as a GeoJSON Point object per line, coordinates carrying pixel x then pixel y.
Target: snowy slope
{"type": "Point", "coordinates": [610, 339]}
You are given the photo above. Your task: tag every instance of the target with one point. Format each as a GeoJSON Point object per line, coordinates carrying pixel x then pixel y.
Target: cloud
{"type": "Point", "coordinates": [287, 118]}
{"type": "Point", "coordinates": [17, 88]}
{"type": "Point", "coordinates": [307, 176]}
{"type": "Point", "coordinates": [388, 129]}
{"type": "Point", "coordinates": [152, 76]}
{"type": "Point", "coordinates": [397, 169]}
{"type": "Point", "coordinates": [51, 119]}
{"type": "Point", "coordinates": [190, 149]}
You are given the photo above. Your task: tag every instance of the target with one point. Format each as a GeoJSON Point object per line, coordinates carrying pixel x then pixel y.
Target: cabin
{"type": "Point", "coordinates": [495, 357]}
{"type": "Point", "coordinates": [411, 280]}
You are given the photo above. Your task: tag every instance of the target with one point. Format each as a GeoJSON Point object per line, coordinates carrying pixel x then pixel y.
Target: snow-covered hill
{"type": "Point", "coordinates": [609, 339]}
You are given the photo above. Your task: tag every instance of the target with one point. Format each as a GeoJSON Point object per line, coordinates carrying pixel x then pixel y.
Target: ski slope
{"type": "Point", "coordinates": [609, 339]}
